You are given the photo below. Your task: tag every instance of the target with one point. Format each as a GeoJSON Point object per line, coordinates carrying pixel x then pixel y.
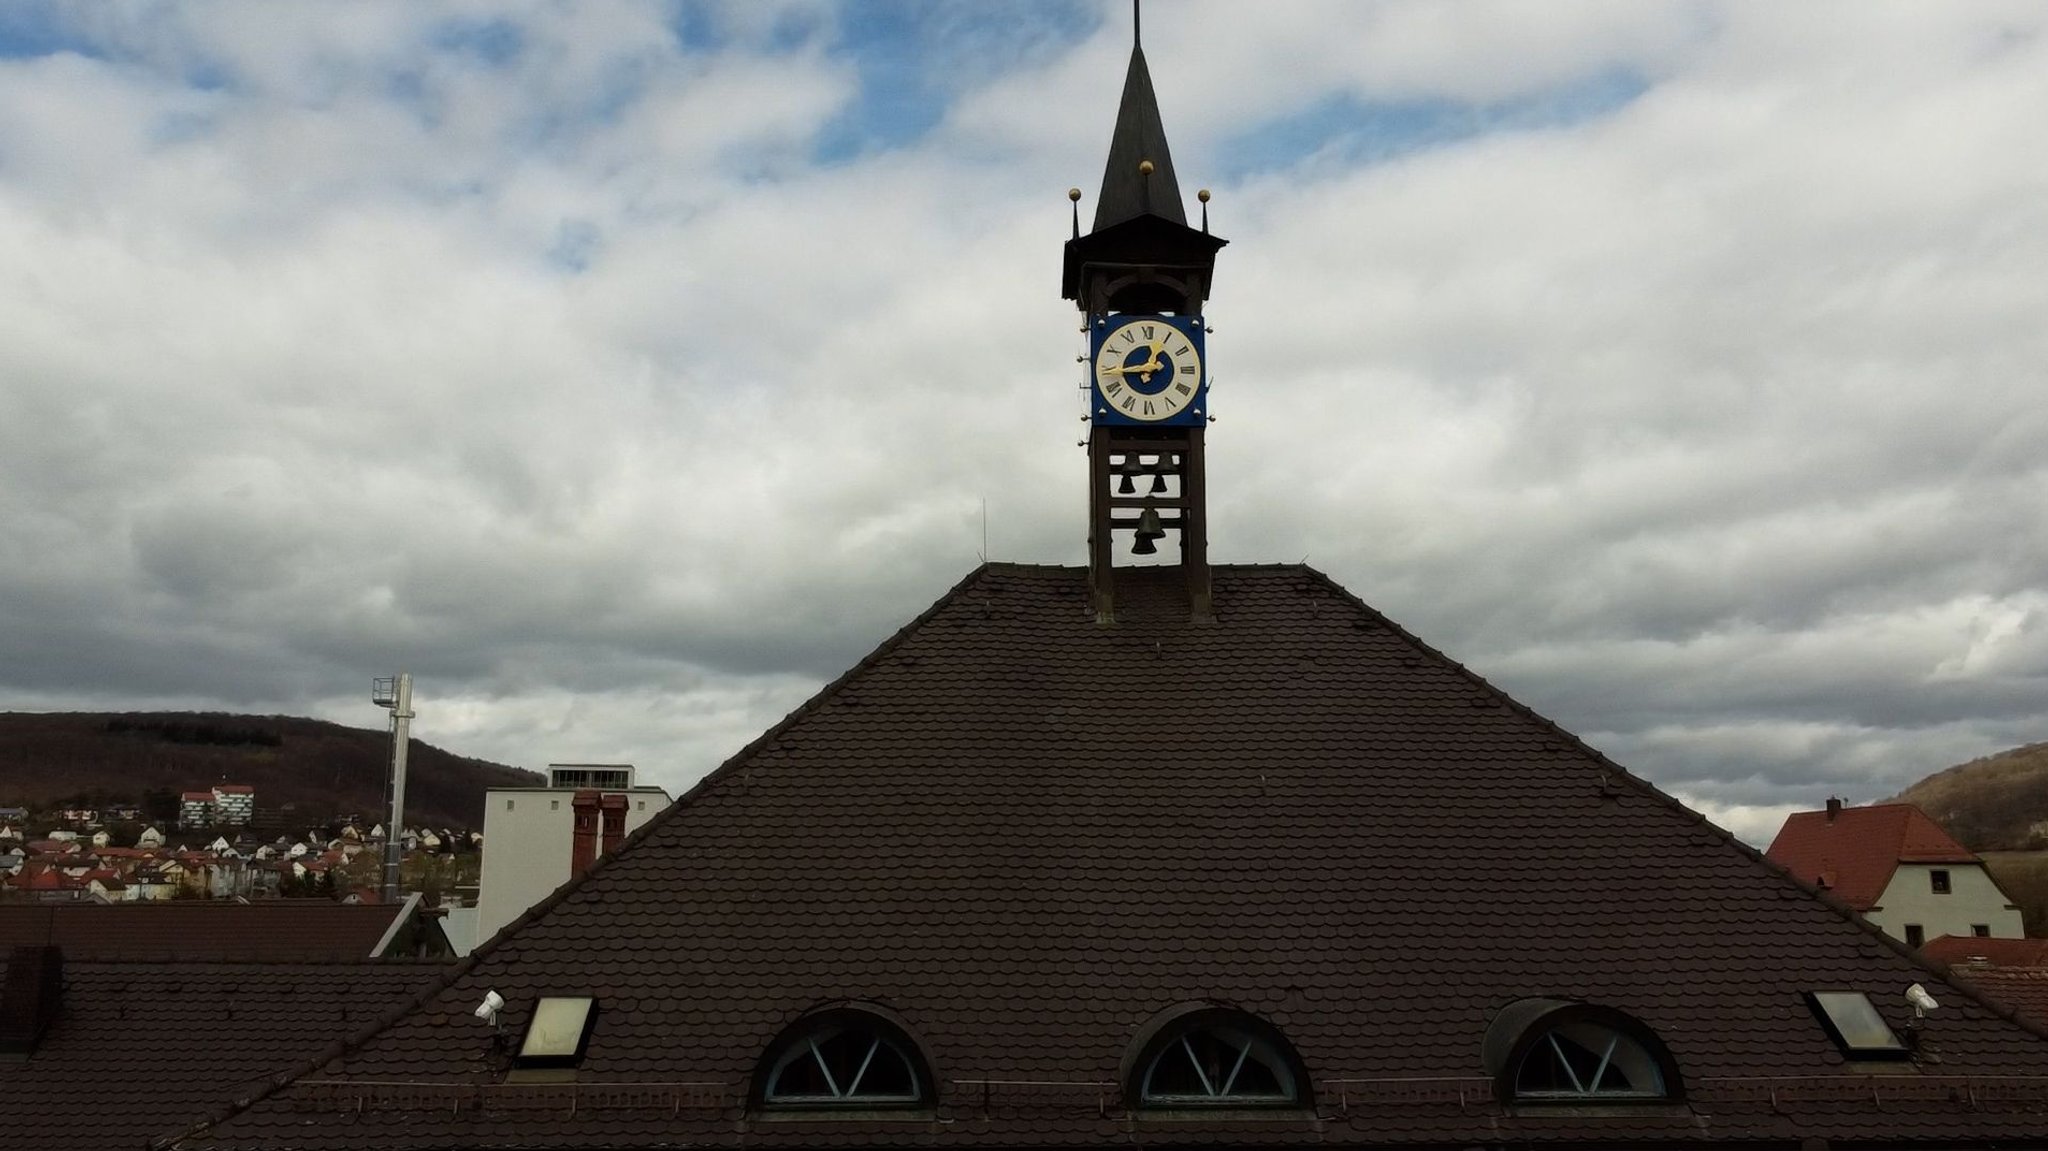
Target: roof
{"type": "Point", "coordinates": [137, 1047]}
{"type": "Point", "coordinates": [197, 797]}
{"type": "Point", "coordinates": [1853, 851]}
{"type": "Point", "coordinates": [1980, 950]}
{"type": "Point", "coordinates": [234, 789]}
{"type": "Point", "coordinates": [276, 930]}
{"type": "Point", "coordinates": [1140, 135]}
{"type": "Point", "coordinates": [1024, 835]}
{"type": "Point", "coordinates": [2023, 989]}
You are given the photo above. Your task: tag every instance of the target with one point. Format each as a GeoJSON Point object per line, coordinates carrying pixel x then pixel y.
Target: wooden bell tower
{"type": "Point", "coordinates": [1140, 277]}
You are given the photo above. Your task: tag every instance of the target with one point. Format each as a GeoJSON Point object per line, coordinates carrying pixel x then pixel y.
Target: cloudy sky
{"type": "Point", "coordinates": [626, 371]}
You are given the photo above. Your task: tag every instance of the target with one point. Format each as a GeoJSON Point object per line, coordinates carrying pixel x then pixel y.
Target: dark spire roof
{"type": "Point", "coordinates": [1140, 136]}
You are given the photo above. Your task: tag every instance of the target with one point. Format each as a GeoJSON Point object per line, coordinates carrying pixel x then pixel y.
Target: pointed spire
{"type": "Point", "coordinates": [1127, 189]}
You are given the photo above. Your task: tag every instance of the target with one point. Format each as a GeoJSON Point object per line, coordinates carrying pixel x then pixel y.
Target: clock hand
{"type": "Point", "coordinates": [1158, 360]}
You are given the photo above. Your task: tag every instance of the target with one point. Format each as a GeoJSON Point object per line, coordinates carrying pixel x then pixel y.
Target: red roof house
{"type": "Point", "coordinates": [1898, 868]}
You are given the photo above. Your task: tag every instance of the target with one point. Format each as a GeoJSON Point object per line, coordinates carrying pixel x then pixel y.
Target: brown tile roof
{"type": "Point", "coordinates": [139, 1047]}
{"type": "Point", "coordinates": [2023, 989]}
{"type": "Point", "coordinates": [192, 929]}
{"type": "Point", "coordinates": [1855, 853]}
{"type": "Point", "coordinates": [1981, 950]}
{"type": "Point", "coordinates": [1026, 834]}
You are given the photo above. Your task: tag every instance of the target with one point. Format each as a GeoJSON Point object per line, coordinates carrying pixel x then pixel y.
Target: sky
{"type": "Point", "coordinates": [626, 371]}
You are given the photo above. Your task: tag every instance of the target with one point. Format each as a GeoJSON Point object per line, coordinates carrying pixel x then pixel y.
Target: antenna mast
{"type": "Point", "coordinates": [395, 694]}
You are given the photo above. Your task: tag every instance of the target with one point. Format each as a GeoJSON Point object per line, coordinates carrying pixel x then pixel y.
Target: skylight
{"type": "Point", "coordinates": [560, 1027]}
{"type": "Point", "coordinates": [1855, 1026]}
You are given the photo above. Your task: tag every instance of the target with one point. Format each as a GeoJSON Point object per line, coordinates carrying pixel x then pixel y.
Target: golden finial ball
{"type": "Point", "coordinates": [1203, 195]}
{"type": "Point", "coordinates": [1144, 167]}
{"type": "Point", "coordinates": [1074, 194]}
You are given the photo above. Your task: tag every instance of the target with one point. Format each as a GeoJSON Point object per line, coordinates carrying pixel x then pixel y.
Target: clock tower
{"type": "Point", "coordinates": [1140, 277]}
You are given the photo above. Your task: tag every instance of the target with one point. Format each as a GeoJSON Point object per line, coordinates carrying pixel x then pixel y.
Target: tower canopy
{"type": "Point", "coordinates": [1128, 192]}
{"type": "Point", "coordinates": [1140, 255]}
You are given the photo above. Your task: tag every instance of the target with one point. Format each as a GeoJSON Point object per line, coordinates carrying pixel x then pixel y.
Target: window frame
{"type": "Point", "coordinates": [1527, 1027]}
{"type": "Point", "coordinates": [804, 1035]}
{"type": "Point", "coordinates": [1832, 1021]}
{"type": "Point", "coordinates": [1916, 935]}
{"type": "Point", "coordinates": [1169, 1033]}
{"type": "Point", "coordinates": [1939, 882]}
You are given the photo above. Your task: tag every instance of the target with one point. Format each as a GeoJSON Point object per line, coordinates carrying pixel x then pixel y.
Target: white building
{"type": "Point", "coordinates": [196, 809]}
{"type": "Point", "coordinates": [1899, 869]}
{"type": "Point", "coordinates": [234, 804]}
{"type": "Point", "coordinates": [536, 838]}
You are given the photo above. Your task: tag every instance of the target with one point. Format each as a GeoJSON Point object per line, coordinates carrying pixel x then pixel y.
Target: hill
{"type": "Point", "coordinates": [317, 768]}
{"type": "Point", "coordinates": [1990, 804]}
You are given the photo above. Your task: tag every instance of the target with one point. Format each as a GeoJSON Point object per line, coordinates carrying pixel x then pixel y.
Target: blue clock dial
{"type": "Point", "coordinates": [1148, 369]}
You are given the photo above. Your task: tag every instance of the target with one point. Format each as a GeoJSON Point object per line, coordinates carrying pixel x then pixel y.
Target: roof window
{"type": "Point", "coordinates": [1203, 1056]}
{"type": "Point", "coordinates": [847, 1057]}
{"type": "Point", "coordinates": [1853, 1023]}
{"type": "Point", "coordinates": [558, 1032]}
{"type": "Point", "coordinates": [1558, 1051]}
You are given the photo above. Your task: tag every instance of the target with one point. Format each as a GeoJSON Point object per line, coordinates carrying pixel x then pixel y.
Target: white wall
{"type": "Point", "coordinates": [1972, 899]}
{"type": "Point", "coordinates": [529, 836]}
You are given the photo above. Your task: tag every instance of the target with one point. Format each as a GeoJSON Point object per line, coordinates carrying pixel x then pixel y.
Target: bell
{"type": "Point", "coordinates": [1127, 488]}
{"type": "Point", "coordinates": [1158, 483]}
{"type": "Point", "coordinates": [1148, 531]}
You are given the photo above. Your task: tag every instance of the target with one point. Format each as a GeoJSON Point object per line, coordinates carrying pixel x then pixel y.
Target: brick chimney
{"type": "Point", "coordinates": [614, 822]}
{"type": "Point", "coordinates": [584, 849]}
{"type": "Point", "coordinates": [1834, 808]}
{"type": "Point", "coordinates": [29, 1000]}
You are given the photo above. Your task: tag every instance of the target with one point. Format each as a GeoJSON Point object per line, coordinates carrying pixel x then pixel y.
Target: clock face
{"type": "Point", "coordinates": [1148, 369]}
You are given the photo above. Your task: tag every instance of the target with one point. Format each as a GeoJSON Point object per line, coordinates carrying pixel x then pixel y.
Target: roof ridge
{"type": "Point", "coordinates": [468, 963]}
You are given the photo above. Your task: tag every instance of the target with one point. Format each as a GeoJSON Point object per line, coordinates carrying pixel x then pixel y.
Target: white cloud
{"type": "Point", "coordinates": [530, 348]}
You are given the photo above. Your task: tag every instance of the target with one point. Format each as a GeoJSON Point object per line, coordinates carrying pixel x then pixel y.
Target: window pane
{"type": "Point", "coordinates": [1218, 1066]}
{"type": "Point", "coordinates": [843, 1064]}
{"type": "Point", "coordinates": [557, 1028]}
{"type": "Point", "coordinates": [843, 1054]}
{"type": "Point", "coordinates": [800, 1075]}
{"type": "Point", "coordinates": [889, 1074]}
{"type": "Point", "coordinates": [1854, 1019]}
{"type": "Point", "coordinates": [1173, 1074]}
{"type": "Point", "coordinates": [1258, 1079]}
{"type": "Point", "coordinates": [1582, 1059]}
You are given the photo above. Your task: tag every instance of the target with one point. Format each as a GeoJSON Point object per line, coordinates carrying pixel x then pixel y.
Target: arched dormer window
{"type": "Point", "coordinates": [1203, 1056]}
{"type": "Point", "coordinates": [1557, 1051]}
{"type": "Point", "coordinates": [843, 1057]}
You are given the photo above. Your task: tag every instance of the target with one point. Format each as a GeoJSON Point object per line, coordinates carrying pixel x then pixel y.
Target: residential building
{"type": "Point", "coordinates": [234, 804]}
{"type": "Point", "coordinates": [196, 809]}
{"type": "Point", "coordinates": [536, 838]}
{"type": "Point", "coordinates": [1898, 869]}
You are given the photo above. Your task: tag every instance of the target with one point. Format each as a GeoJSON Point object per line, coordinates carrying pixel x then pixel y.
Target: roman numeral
{"type": "Point", "coordinates": [1112, 388]}
{"type": "Point", "coordinates": [1130, 402]}
{"type": "Point", "coordinates": [1148, 331]}
{"type": "Point", "coordinates": [1183, 389]}
{"type": "Point", "coordinates": [1130, 336]}
{"type": "Point", "coordinates": [1187, 369]}
{"type": "Point", "coordinates": [1148, 407]}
